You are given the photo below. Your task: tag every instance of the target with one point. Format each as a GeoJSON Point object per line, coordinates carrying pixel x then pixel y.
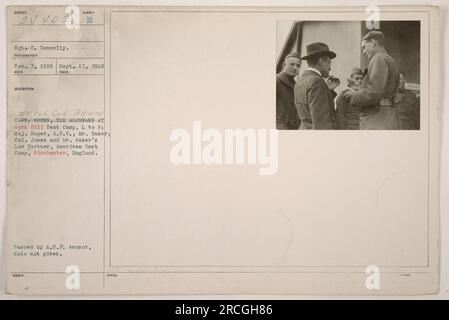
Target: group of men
{"type": "Point", "coordinates": [374, 99]}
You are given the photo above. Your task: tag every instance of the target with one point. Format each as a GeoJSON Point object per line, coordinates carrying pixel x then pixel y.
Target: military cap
{"type": "Point", "coordinates": [374, 34]}
{"type": "Point", "coordinates": [356, 70]}
{"type": "Point", "coordinates": [293, 55]}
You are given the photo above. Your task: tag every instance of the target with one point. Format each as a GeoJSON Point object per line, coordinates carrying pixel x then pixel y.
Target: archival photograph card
{"type": "Point", "coordinates": [222, 150]}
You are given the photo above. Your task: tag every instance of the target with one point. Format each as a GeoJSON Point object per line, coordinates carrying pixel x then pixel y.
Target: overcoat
{"type": "Point", "coordinates": [375, 99]}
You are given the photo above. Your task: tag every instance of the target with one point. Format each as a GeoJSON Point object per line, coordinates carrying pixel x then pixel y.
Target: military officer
{"type": "Point", "coordinates": [375, 99]}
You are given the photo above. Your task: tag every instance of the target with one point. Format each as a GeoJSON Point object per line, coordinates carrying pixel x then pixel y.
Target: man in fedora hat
{"type": "Point", "coordinates": [375, 99]}
{"type": "Point", "coordinates": [286, 115]}
{"type": "Point", "coordinates": [347, 115]}
{"type": "Point", "coordinates": [314, 97]}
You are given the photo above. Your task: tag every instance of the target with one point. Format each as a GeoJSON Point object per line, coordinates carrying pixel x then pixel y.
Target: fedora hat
{"type": "Point", "coordinates": [318, 48]}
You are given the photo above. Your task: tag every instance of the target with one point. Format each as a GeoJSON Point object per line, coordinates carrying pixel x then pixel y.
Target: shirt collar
{"type": "Point", "coordinates": [314, 70]}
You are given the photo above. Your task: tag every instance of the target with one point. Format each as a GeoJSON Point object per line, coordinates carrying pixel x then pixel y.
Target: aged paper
{"type": "Point", "coordinates": [144, 154]}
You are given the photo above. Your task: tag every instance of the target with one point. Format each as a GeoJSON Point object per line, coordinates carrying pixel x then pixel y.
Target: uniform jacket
{"type": "Point", "coordinates": [379, 83]}
{"type": "Point", "coordinates": [314, 102]}
{"type": "Point", "coordinates": [286, 114]}
{"type": "Point", "coordinates": [346, 115]}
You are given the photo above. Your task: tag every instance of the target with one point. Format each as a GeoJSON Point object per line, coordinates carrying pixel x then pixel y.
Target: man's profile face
{"type": "Point", "coordinates": [401, 81]}
{"type": "Point", "coordinates": [368, 47]}
{"type": "Point", "coordinates": [325, 63]}
{"type": "Point", "coordinates": [357, 79]}
{"type": "Point", "coordinates": [291, 66]}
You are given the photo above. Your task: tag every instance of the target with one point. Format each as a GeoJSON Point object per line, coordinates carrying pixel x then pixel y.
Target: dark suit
{"type": "Point", "coordinates": [314, 102]}
{"type": "Point", "coordinates": [286, 114]}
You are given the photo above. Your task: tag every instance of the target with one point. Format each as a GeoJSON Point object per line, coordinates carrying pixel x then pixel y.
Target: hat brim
{"type": "Point", "coordinates": [330, 54]}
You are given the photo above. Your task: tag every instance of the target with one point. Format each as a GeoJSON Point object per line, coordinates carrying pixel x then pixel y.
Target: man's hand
{"type": "Point", "coordinates": [332, 82]}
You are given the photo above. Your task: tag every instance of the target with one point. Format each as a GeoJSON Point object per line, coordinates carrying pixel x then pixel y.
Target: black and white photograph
{"type": "Point", "coordinates": [348, 75]}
